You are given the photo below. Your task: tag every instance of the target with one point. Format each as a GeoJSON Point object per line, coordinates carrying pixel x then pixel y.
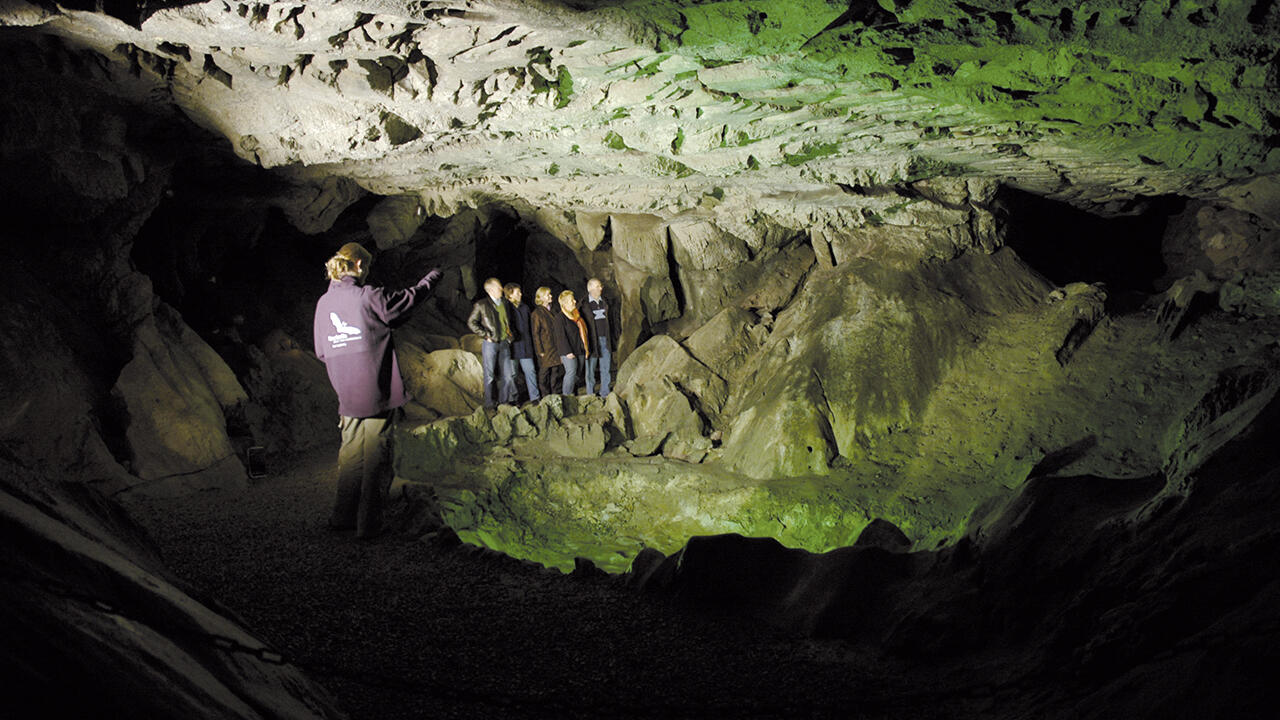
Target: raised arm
{"type": "Point", "coordinates": [390, 305]}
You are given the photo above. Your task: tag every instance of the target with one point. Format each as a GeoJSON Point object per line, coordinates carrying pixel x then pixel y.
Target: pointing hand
{"type": "Point", "coordinates": [431, 277]}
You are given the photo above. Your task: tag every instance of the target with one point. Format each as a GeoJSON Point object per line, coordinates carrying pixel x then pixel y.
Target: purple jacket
{"type": "Point", "coordinates": [353, 338]}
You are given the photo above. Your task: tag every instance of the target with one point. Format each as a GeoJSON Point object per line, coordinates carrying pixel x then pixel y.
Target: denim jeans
{"type": "Point", "coordinates": [570, 373]}
{"type": "Point", "coordinates": [495, 359]}
{"type": "Point", "coordinates": [604, 360]}
{"type": "Point", "coordinates": [530, 372]}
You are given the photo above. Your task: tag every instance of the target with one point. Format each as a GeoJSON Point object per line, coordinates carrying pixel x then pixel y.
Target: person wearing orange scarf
{"type": "Point", "coordinates": [571, 339]}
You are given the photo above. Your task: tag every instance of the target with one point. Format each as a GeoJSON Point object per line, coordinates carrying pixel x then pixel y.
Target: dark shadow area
{"type": "Point", "coordinates": [276, 284]}
{"type": "Point", "coordinates": [1055, 461]}
{"type": "Point", "coordinates": [230, 261]}
{"type": "Point", "coordinates": [1068, 245]}
{"type": "Point", "coordinates": [500, 249]}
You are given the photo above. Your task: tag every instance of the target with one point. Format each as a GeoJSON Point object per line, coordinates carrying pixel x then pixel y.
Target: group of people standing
{"type": "Point", "coordinates": [547, 344]}
{"type": "Point", "coordinates": [352, 334]}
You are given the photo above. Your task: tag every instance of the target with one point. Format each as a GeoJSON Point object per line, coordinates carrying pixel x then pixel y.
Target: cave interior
{"type": "Point", "coordinates": [945, 377]}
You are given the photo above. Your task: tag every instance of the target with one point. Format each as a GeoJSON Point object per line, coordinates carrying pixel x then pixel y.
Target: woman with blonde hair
{"type": "Point", "coordinates": [352, 333]}
{"type": "Point", "coordinates": [542, 330]}
{"type": "Point", "coordinates": [571, 339]}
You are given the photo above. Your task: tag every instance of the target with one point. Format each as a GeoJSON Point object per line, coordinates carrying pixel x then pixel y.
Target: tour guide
{"type": "Point", "coordinates": [353, 338]}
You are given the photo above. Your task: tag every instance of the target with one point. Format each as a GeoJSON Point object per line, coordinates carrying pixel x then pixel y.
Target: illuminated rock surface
{"type": "Point", "coordinates": [995, 280]}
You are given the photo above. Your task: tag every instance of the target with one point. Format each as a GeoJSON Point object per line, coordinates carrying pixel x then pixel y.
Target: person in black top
{"type": "Point", "coordinates": [595, 310]}
{"type": "Point", "coordinates": [571, 339]}
{"type": "Point", "coordinates": [522, 345]}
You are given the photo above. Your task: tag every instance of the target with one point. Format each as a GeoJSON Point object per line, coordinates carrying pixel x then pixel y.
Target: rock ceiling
{"type": "Point", "coordinates": [662, 106]}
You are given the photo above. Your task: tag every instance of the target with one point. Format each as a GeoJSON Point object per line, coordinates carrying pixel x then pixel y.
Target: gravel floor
{"type": "Point", "coordinates": [404, 628]}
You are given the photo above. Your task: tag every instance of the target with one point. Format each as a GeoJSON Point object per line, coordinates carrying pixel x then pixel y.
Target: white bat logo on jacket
{"type": "Point", "coordinates": [345, 332]}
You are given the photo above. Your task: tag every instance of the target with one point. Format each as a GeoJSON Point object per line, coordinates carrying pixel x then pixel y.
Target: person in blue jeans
{"type": "Point", "coordinates": [571, 336]}
{"type": "Point", "coordinates": [522, 345]}
{"type": "Point", "coordinates": [600, 336]}
{"type": "Point", "coordinates": [492, 318]}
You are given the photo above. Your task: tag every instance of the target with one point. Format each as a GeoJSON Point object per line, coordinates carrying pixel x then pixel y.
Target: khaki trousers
{"type": "Point", "coordinates": [364, 472]}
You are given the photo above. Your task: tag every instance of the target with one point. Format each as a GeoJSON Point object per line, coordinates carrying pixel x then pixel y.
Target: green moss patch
{"type": "Point", "coordinates": [810, 151]}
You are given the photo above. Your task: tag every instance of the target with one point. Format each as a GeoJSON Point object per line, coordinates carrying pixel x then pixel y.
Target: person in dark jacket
{"type": "Point", "coordinates": [522, 345]}
{"type": "Point", "coordinates": [542, 326]}
{"type": "Point", "coordinates": [571, 339]}
{"type": "Point", "coordinates": [352, 333]}
{"type": "Point", "coordinates": [493, 319]}
{"type": "Point", "coordinates": [600, 334]}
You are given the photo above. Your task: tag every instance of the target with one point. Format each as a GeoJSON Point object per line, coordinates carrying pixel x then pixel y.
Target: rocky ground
{"type": "Point", "coordinates": [405, 628]}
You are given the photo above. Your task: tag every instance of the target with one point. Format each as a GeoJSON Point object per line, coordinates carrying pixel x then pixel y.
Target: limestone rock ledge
{"type": "Point", "coordinates": [1070, 580]}
{"type": "Point", "coordinates": [914, 396]}
{"type": "Point", "coordinates": [95, 627]}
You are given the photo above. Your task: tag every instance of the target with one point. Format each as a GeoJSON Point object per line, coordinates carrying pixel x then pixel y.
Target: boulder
{"type": "Point", "coordinates": [1259, 196]}
{"type": "Point", "coordinates": [1220, 242]}
{"type": "Point", "coordinates": [686, 446]}
{"type": "Point", "coordinates": [881, 533]}
{"type": "Point", "coordinates": [659, 299]}
{"type": "Point", "coordinates": [646, 445]}
{"type": "Point", "coordinates": [1254, 294]}
{"type": "Point", "coordinates": [858, 353]}
{"type": "Point", "coordinates": [783, 436]}
{"type": "Point", "coordinates": [658, 407]}
{"type": "Point", "coordinates": [394, 220]}
{"type": "Point", "coordinates": [592, 227]}
{"type": "Point", "coordinates": [501, 423]}
{"type": "Point", "coordinates": [698, 244]}
{"type": "Point", "coordinates": [643, 300]}
{"type": "Point", "coordinates": [619, 416]}
{"type": "Point", "coordinates": [425, 449]}
{"type": "Point", "coordinates": [640, 241]}
{"type": "Point", "coordinates": [762, 285]}
{"type": "Point", "coordinates": [477, 427]}
{"type": "Point", "coordinates": [471, 343]}
{"type": "Point", "coordinates": [779, 275]}
{"type": "Point", "coordinates": [664, 367]}
{"type": "Point", "coordinates": [727, 340]}
{"type": "Point", "coordinates": [313, 204]}
{"type": "Point", "coordinates": [549, 407]}
{"type": "Point", "coordinates": [446, 381]}
{"type": "Point", "coordinates": [643, 276]}
{"type": "Point", "coordinates": [574, 437]}
{"type": "Point", "coordinates": [174, 392]}
{"type": "Point", "coordinates": [294, 406]}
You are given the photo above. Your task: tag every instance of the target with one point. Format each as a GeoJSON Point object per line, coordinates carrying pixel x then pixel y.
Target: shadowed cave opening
{"type": "Point", "coordinates": [220, 252]}
{"type": "Point", "coordinates": [500, 250]}
{"type": "Point", "coordinates": [1067, 244]}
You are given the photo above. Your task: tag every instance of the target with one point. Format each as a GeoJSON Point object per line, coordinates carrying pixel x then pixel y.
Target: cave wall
{"type": "Point", "coordinates": [800, 219]}
{"type": "Point", "coordinates": [184, 237]}
{"type": "Point", "coordinates": [96, 626]}
{"type": "Point", "coordinates": [85, 180]}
